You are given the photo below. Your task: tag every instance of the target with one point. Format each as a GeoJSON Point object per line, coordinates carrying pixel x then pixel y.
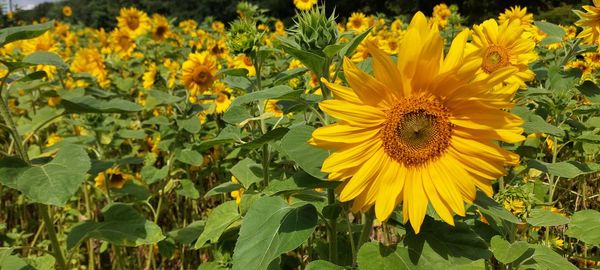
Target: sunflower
{"type": "Point", "coordinates": [440, 15]}
{"type": "Point", "coordinates": [149, 76]}
{"type": "Point", "coordinates": [590, 22]}
{"type": "Point", "coordinates": [134, 20]}
{"type": "Point", "coordinates": [304, 4]}
{"type": "Point", "coordinates": [199, 72]}
{"type": "Point", "coordinates": [116, 179]}
{"type": "Point", "coordinates": [421, 131]}
{"type": "Point", "coordinates": [122, 42]}
{"type": "Point", "coordinates": [357, 22]}
{"type": "Point", "coordinates": [272, 107]}
{"type": "Point", "coordinates": [160, 29]}
{"type": "Point", "coordinates": [243, 61]}
{"type": "Point", "coordinates": [516, 13]}
{"type": "Point", "coordinates": [67, 11]}
{"type": "Point", "coordinates": [499, 46]}
{"type": "Point", "coordinates": [89, 60]}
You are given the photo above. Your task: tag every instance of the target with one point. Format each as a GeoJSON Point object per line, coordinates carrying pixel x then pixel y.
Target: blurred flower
{"type": "Point", "coordinates": [243, 61]}
{"type": "Point", "coordinates": [357, 22]}
{"type": "Point", "coordinates": [237, 194]}
{"type": "Point", "coordinates": [133, 20]}
{"type": "Point", "coordinates": [218, 26]}
{"type": "Point", "coordinates": [122, 42]}
{"type": "Point", "coordinates": [116, 179]}
{"type": "Point", "coordinates": [515, 206]}
{"type": "Point", "coordinates": [304, 4]}
{"type": "Point", "coordinates": [440, 15]}
{"type": "Point", "coordinates": [52, 139]}
{"type": "Point", "coordinates": [271, 107]}
{"type": "Point", "coordinates": [590, 22]}
{"type": "Point", "coordinates": [67, 11]}
{"type": "Point", "coordinates": [160, 27]}
{"type": "Point", "coordinates": [89, 60]}
{"type": "Point", "coordinates": [516, 13]}
{"type": "Point", "coordinates": [199, 72]}
{"type": "Point", "coordinates": [149, 76]}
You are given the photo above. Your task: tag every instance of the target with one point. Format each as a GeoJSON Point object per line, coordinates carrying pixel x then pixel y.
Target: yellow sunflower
{"type": "Point", "coordinates": [122, 43]}
{"type": "Point", "coordinates": [357, 22]}
{"type": "Point", "coordinates": [500, 46]}
{"type": "Point", "coordinates": [590, 22]}
{"type": "Point", "coordinates": [440, 15]}
{"type": "Point", "coordinates": [89, 60]}
{"type": "Point", "coordinates": [243, 61]}
{"type": "Point", "coordinates": [116, 179]}
{"type": "Point", "coordinates": [134, 20]}
{"type": "Point", "coordinates": [149, 76]}
{"type": "Point", "coordinates": [67, 11]}
{"type": "Point", "coordinates": [271, 107]}
{"type": "Point", "coordinates": [422, 130]}
{"type": "Point", "coordinates": [237, 194]}
{"type": "Point", "coordinates": [199, 72]}
{"type": "Point", "coordinates": [304, 4]}
{"type": "Point", "coordinates": [516, 13]}
{"type": "Point", "coordinates": [160, 29]}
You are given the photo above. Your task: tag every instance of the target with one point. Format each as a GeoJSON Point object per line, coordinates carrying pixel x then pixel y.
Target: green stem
{"type": "Point", "coordinates": [351, 237]}
{"type": "Point", "coordinates": [332, 236]}
{"type": "Point", "coordinates": [551, 189]}
{"type": "Point", "coordinates": [367, 226]}
{"type": "Point", "coordinates": [266, 155]}
{"type": "Point", "coordinates": [56, 249]}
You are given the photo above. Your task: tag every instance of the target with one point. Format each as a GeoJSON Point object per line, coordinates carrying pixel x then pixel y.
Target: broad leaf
{"type": "Point", "coordinates": [276, 227]}
{"type": "Point", "coordinates": [308, 157]}
{"type": "Point", "coordinates": [550, 260]}
{"type": "Point", "coordinates": [122, 225]}
{"type": "Point", "coordinates": [219, 219]}
{"type": "Point", "coordinates": [542, 217]}
{"type": "Point", "coordinates": [323, 265]}
{"type": "Point", "coordinates": [566, 169]}
{"type": "Point", "coordinates": [277, 92]}
{"type": "Point", "coordinates": [89, 104]}
{"type": "Point", "coordinates": [247, 172]}
{"type": "Point", "coordinates": [45, 58]}
{"type": "Point", "coordinates": [506, 252]}
{"type": "Point", "coordinates": [272, 135]}
{"type": "Point", "coordinates": [585, 226]}
{"type": "Point", "coordinates": [189, 156]}
{"type": "Point", "coordinates": [12, 34]}
{"type": "Point", "coordinates": [490, 207]}
{"type": "Point", "coordinates": [535, 123]}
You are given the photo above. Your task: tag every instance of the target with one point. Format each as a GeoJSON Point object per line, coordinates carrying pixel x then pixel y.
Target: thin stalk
{"type": "Point", "coordinates": [367, 226]}
{"type": "Point", "coordinates": [57, 251]}
{"type": "Point", "coordinates": [332, 236]}
{"type": "Point", "coordinates": [351, 237]}
{"type": "Point", "coordinates": [266, 155]}
{"type": "Point", "coordinates": [551, 186]}
{"type": "Point", "coordinates": [90, 243]}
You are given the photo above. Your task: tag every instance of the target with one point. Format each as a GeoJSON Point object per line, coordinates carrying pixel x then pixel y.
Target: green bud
{"type": "Point", "coordinates": [242, 36]}
{"type": "Point", "coordinates": [314, 30]}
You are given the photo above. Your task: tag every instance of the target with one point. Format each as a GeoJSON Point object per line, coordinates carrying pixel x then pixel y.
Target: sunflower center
{"type": "Point", "coordinates": [247, 61]}
{"type": "Point", "coordinates": [416, 131]}
{"type": "Point", "coordinates": [161, 30]}
{"type": "Point", "coordinates": [203, 77]}
{"type": "Point", "coordinates": [133, 22]}
{"type": "Point", "coordinates": [495, 57]}
{"type": "Point", "coordinates": [357, 23]}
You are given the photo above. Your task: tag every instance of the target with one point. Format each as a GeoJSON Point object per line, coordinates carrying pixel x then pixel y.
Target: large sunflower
{"type": "Point", "coordinates": [516, 13]}
{"type": "Point", "coordinates": [501, 46]}
{"type": "Point", "coordinates": [134, 20]}
{"type": "Point", "coordinates": [420, 131]}
{"type": "Point", "coordinates": [590, 22]}
{"type": "Point", "coordinates": [199, 72]}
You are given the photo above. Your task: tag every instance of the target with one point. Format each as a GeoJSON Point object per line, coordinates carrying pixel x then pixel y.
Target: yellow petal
{"type": "Point", "coordinates": [393, 182]}
{"type": "Point", "coordinates": [353, 114]}
{"type": "Point", "coordinates": [365, 174]}
{"type": "Point", "coordinates": [342, 92]}
{"type": "Point", "coordinates": [336, 135]}
{"type": "Point", "coordinates": [370, 90]}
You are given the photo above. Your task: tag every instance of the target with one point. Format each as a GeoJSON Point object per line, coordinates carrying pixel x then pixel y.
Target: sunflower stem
{"type": "Point", "coordinates": [56, 249]}
{"type": "Point", "coordinates": [332, 236]}
{"type": "Point", "coordinates": [366, 229]}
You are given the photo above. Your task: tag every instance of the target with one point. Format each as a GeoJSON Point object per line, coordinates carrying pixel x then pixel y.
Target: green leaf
{"type": "Point", "coordinates": [589, 138]}
{"type": "Point", "coordinates": [551, 29]}
{"type": "Point", "coordinates": [309, 158]}
{"type": "Point", "coordinates": [132, 134]}
{"type": "Point", "coordinates": [331, 50]}
{"type": "Point", "coordinates": [122, 225]}
{"type": "Point", "coordinates": [247, 172]}
{"type": "Point", "coordinates": [189, 156]}
{"type": "Point", "coordinates": [12, 34]}
{"type": "Point", "coordinates": [51, 183]}
{"type": "Point", "coordinates": [212, 266]}
{"type": "Point", "coordinates": [236, 114]}
{"type": "Point", "coordinates": [311, 60]}
{"type": "Point", "coordinates": [276, 227]}
{"type": "Point", "coordinates": [548, 259]}
{"type": "Point", "coordinates": [271, 135]}
{"type": "Point", "coordinates": [323, 265]}
{"type": "Point", "coordinates": [506, 252]}
{"type": "Point", "coordinates": [151, 174]}
{"type": "Point", "coordinates": [288, 74]}
{"type": "Point", "coordinates": [585, 226]}
{"type": "Point", "coordinates": [490, 207]}
{"type": "Point", "coordinates": [277, 92]}
{"type": "Point", "coordinates": [191, 125]}
{"type": "Point", "coordinates": [535, 123]}
{"type": "Point", "coordinates": [590, 90]}
{"type": "Point", "coordinates": [45, 58]}
{"type": "Point", "coordinates": [353, 44]}
{"type": "Point", "coordinates": [542, 217]}
{"type": "Point", "coordinates": [241, 72]}
{"type": "Point", "coordinates": [566, 169]}
{"type": "Point", "coordinates": [223, 188]}
{"type": "Point", "coordinates": [373, 256]}
{"type": "Point", "coordinates": [227, 135]}
{"type": "Point", "coordinates": [218, 221]}
{"type": "Point", "coordinates": [89, 104]}
{"type": "Point", "coordinates": [189, 234]}
{"type": "Point", "coordinates": [187, 189]}
{"type": "Point", "coordinates": [156, 98]}
{"type": "Point", "coordinates": [298, 182]}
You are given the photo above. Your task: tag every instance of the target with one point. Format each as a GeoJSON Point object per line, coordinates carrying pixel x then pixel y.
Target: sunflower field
{"type": "Point", "coordinates": [368, 142]}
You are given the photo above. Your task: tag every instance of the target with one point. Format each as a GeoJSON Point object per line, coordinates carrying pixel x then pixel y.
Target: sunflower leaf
{"type": "Point", "coordinates": [585, 226]}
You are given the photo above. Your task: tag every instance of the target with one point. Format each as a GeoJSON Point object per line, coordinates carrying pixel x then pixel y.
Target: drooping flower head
{"type": "Point", "coordinates": [500, 46]}
{"type": "Point", "coordinates": [420, 131]}
{"type": "Point", "coordinates": [590, 21]}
